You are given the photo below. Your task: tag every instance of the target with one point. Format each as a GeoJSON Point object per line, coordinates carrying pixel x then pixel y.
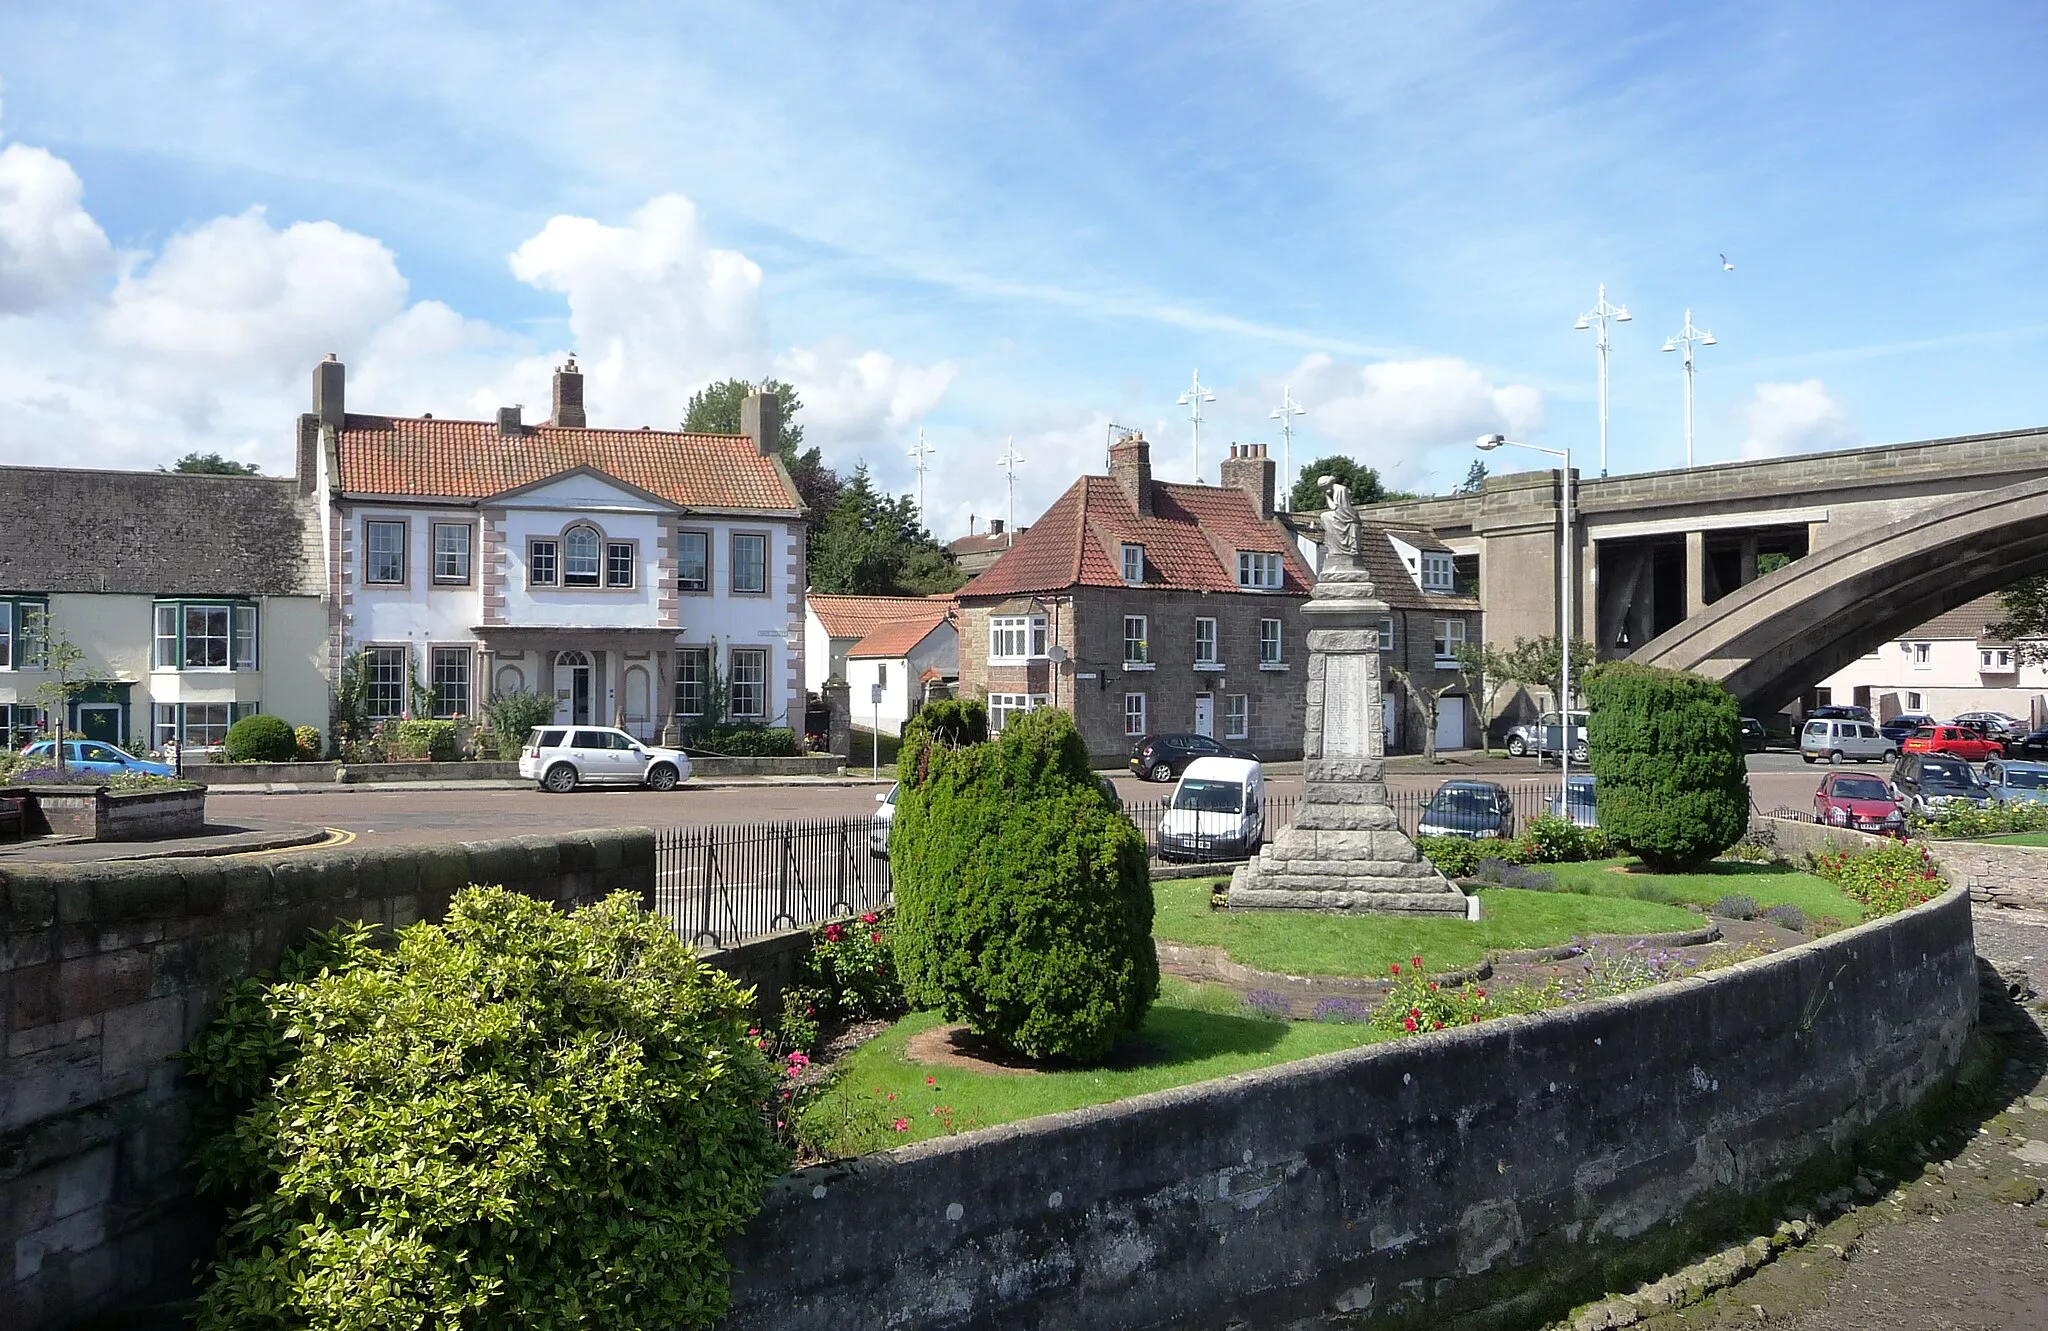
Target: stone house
{"type": "Point", "coordinates": [976, 551]}
{"type": "Point", "coordinates": [196, 600]}
{"type": "Point", "coordinates": [1141, 607]}
{"type": "Point", "coordinates": [626, 573]}
{"type": "Point", "coordinates": [905, 646]}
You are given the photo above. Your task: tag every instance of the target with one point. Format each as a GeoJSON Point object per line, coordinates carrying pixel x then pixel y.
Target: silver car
{"type": "Point", "coordinates": [562, 758]}
{"type": "Point", "coordinates": [1836, 740]}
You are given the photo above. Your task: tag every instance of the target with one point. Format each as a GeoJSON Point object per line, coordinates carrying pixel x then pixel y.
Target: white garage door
{"type": "Point", "coordinates": [1450, 724]}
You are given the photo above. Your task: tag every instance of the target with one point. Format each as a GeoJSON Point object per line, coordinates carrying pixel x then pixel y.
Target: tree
{"type": "Point", "coordinates": [1486, 671]}
{"type": "Point", "coordinates": [212, 464]}
{"type": "Point", "coordinates": [2026, 619]}
{"type": "Point", "coordinates": [1431, 701]}
{"type": "Point", "coordinates": [1772, 562]}
{"type": "Point", "coordinates": [1361, 480]}
{"type": "Point", "coordinates": [45, 649]}
{"type": "Point", "coordinates": [1671, 781]}
{"type": "Point", "coordinates": [716, 410]}
{"type": "Point", "coordinates": [872, 544]}
{"type": "Point", "coordinates": [1538, 661]}
{"type": "Point", "coordinates": [1475, 479]}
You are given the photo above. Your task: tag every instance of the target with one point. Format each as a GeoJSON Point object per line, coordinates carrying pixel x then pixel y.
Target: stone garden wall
{"type": "Point", "coordinates": [2002, 875]}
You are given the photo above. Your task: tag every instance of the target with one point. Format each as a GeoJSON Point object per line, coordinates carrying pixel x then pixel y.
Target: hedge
{"type": "Point", "coordinates": [260, 739]}
{"type": "Point", "coordinates": [1672, 783]}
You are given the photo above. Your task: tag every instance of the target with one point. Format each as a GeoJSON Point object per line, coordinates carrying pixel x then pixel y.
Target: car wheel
{"type": "Point", "coordinates": [662, 776]}
{"type": "Point", "coordinates": [1835, 758]}
{"type": "Point", "coordinates": [1579, 754]}
{"type": "Point", "coordinates": [560, 779]}
{"type": "Point", "coordinates": [1806, 758]}
{"type": "Point", "coordinates": [1517, 746]}
{"type": "Point", "coordinates": [1160, 772]}
{"type": "Point", "coordinates": [1889, 755]}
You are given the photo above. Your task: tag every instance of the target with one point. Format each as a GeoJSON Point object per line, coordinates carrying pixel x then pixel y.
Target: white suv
{"type": "Point", "coordinates": [564, 757]}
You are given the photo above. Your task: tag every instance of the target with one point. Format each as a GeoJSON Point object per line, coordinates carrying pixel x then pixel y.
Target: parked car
{"type": "Point", "coordinates": [1901, 727]}
{"type": "Point", "coordinates": [1576, 803]}
{"type": "Point", "coordinates": [1165, 757]}
{"type": "Point", "coordinates": [2034, 745]}
{"type": "Point", "coordinates": [1526, 737]}
{"type": "Point", "coordinates": [1838, 712]}
{"type": "Point", "coordinates": [1996, 725]}
{"type": "Point", "coordinates": [1838, 741]}
{"type": "Point", "coordinates": [1550, 736]}
{"type": "Point", "coordinates": [92, 755]}
{"type": "Point", "coordinates": [562, 758]}
{"type": "Point", "coordinates": [2014, 782]}
{"type": "Point", "coordinates": [1218, 811]}
{"type": "Point", "coordinates": [884, 819]}
{"type": "Point", "coordinates": [1754, 738]}
{"type": "Point", "coordinates": [1926, 781]}
{"type": "Point", "coordinates": [1959, 741]}
{"type": "Point", "coordinates": [1848, 799]}
{"type": "Point", "coordinates": [1473, 809]}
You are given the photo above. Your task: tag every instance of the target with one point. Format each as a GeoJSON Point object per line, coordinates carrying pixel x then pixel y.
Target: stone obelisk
{"type": "Point", "coordinates": [1346, 850]}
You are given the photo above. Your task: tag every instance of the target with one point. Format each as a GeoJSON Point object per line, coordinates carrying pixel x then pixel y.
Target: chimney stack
{"type": "Point", "coordinates": [1250, 470]}
{"type": "Point", "coordinates": [761, 421]}
{"type": "Point", "coordinates": [995, 526]}
{"type": "Point", "coordinates": [508, 423]}
{"type": "Point", "coordinates": [1130, 466]}
{"type": "Point", "coordinates": [569, 396]}
{"type": "Point", "coordinates": [329, 380]}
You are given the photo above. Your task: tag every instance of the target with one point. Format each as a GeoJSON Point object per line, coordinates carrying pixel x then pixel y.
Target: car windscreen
{"type": "Point", "coordinates": [2025, 778]}
{"type": "Point", "coordinates": [1205, 796]}
{"type": "Point", "coordinates": [1463, 799]}
{"type": "Point", "coordinates": [1816, 727]}
{"type": "Point", "coordinates": [1861, 788]}
{"type": "Point", "coordinates": [1949, 776]}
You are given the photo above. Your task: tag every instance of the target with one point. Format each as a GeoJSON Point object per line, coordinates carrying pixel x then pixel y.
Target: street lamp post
{"type": "Point", "coordinates": [1687, 340]}
{"type": "Point", "coordinates": [1565, 580]}
{"type": "Point", "coordinates": [1597, 320]}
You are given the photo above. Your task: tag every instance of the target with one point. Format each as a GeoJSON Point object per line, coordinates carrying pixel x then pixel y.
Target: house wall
{"type": "Point", "coordinates": [1951, 681]}
{"type": "Point", "coordinates": [861, 676]}
{"type": "Point", "coordinates": [1415, 652]}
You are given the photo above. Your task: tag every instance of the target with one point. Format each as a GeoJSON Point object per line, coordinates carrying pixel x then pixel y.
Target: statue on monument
{"type": "Point", "coordinates": [1340, 519]}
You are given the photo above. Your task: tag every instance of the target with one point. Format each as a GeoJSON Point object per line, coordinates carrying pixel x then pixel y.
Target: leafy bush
{"type": "Point", "coordinates": [1787, 916]}
{"type": "Point", "coordinates": [1416, 1004]}
{"type": "Point", "coordinates": [516, 1118]}
{"type": "Point", "coordinates": [260, 739]}
{"type": "Point", "coordinates": [513, 715]}
{"type": "Point", "coordinates": [1023, 900]}
{"type": "Point", "coordinates": [1887, 879]}
{"type": "Point", "coordinates": [419, 739]}
{"type": "Point", "coordinates": [950, 721]}
{"type": "Point", "coordinates": [306, 743]}
{"type": "Point", "coordinates": [1556, 840]}
{"type": "Point", "coordinates": [1736, 906]}
{"type": "Point", "coordinates": [854, 963]}
{"type": "Point", "coordinates": [1458, 857]}
{"type": "Point", "coordinates": [1672, 787]}
{"type": "Point", "coordinates": [742, 741]}
{"type": "Point", "coordinates": [1959, 821]}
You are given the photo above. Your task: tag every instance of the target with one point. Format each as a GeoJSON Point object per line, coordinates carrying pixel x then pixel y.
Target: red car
{"type": "Point", "coordinates": [1959, 741]}
{"type": "Point", "coordinates": [1847, 799]}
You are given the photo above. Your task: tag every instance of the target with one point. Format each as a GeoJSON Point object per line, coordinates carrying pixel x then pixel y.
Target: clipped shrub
{"type": "Point", "coordinates": [742, 741]}
{"type": "Point", "coordinates": [512, 715]}
{"type": "Point", "coordinates": [1787, 916]}
{"type": "Point", "coordinates": [952, 722]}
{"type": "Point", "coordinates": [260, 739]}
{"type": "Point", "coordinates": [1736, 906]}
{"type": "Point", "coordinates": [1023, 900]}
{"type": "Point", "coordinates": [1666, 745]}
{"type": "Point", "coordinates": [306, 743]}
{"type": "Point", "coordinates": [518, 1117]}
{"type": "Point", "coordinates": [1458, 857]}
{"type": "Point", "coordinates": [1556, 840]}
{"type": "Point", "coordinates": [421, 740]}
{"type": "Point", "coordinates": [853, 963]}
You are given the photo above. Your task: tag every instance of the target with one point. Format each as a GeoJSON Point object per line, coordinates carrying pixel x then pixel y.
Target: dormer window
{"type": "Point", "coordinates": [1134, 563]}
{"type": "Point", "coordinates": [1258, 570]}
{"type": "Point", "coordinates": [1437, 573]}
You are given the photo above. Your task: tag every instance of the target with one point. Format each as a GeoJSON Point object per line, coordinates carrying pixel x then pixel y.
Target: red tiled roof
{"type": "Point", "coordinates": [1191, 542]}
{"type": "Point", "coordinates": [403, 455]}
{"type": "Point", "coordinates": [858, 616]}
{"type": "Point", "coordinates": [896, 638]}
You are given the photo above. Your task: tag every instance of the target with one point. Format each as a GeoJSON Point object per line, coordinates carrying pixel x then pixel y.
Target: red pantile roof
{"type": "Point", "coordinates": [401, 455]}
{"type": "Point", "coordinates": [858, 616]}
{"type": "Point", "coordinates": [1191, 542]}
{"type": "Point", "coordinates": [897, 638]}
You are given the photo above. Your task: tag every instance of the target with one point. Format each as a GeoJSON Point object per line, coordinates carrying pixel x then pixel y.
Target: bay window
{"type": "Point", "coordinates": [204, 635]}
{"type": "Point", "coordinates": [1013, 638]}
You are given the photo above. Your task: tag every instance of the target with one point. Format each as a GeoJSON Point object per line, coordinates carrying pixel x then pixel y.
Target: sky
{"type": "Point", "coordinates": [1029, 222]}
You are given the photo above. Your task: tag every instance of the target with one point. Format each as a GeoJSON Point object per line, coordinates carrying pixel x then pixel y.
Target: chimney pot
{"type": "Point", "coordinates": [1130, 464]}
{"type": "Point", "coordinates": [995, 526]}
{"type": "Point", "coordinates": [508, 423]}
{"type": "Point", "coordinates": [1250, 470]}
{"type": "Point", "coordinates": [568, 412]}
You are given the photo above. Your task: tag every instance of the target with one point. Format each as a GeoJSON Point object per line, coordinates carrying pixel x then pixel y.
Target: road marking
{"type": "Point", "coordinates": [336, 836]}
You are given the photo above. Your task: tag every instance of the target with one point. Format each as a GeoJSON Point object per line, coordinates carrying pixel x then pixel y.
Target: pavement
{"type": "Point", "coordinates": [218, 839]}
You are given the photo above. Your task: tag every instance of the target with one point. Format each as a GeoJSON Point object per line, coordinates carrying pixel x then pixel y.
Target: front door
{"type": "Point", "coordinates": [572, 689]}
{"type": "Point", "coordinates": [100, 721]}
{"type": "Point", "coordinates": [1205, 714]}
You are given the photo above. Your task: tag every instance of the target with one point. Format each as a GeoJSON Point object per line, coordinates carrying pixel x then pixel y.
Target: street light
{"type": "Point", "coordinates": [1597, 318]}
{"type": "Point", "coordinates": [1688, 339]}
{"type": "Point", "coordinates": [1487, 443]}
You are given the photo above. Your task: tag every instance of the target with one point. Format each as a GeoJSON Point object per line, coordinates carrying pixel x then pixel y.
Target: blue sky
{"type": "Point", "coordinates": [1030, 220]}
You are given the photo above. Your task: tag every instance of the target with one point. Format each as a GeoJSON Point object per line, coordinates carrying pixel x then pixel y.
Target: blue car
{"type": "Point", "coordinates": [2017, 782]}
{"type": "Point", "coordinates": [91, 755]}
{"type": "Point", "coordinates": [1576, 804]}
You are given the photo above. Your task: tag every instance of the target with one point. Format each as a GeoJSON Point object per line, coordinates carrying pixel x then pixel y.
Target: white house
{"type": "Point", "coordinates": [902, 646]}
{"type": "Point", "coordinates": [1947, 666]}
{"type": "Point", "coordinates": [634, 575]}
{"type": "Point", "coordinates": [195, 599]}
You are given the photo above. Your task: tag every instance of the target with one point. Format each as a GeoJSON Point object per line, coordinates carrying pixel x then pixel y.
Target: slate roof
{"type": "Point", "coordinates": [154, 533]}
{"type": "Point", "coordinates": [426, 456]}
{"type": "Point", "coordinates": [1391, 580]}
{"type": "Point", "coordinates": [1191, 542]}
{"type": "Point", "coordinates": [1966, 621]}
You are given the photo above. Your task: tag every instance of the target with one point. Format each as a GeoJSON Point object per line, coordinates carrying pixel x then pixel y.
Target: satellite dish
{"type": "Point", "coordinates": [1056, 653]}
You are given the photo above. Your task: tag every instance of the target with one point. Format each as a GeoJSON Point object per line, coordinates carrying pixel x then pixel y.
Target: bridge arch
{"type": "Point", "coordinates": [1777, 636]}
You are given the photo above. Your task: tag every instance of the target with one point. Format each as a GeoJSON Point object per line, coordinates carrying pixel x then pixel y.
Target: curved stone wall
{"type": "Point", "coordinates": [1506, 1165]}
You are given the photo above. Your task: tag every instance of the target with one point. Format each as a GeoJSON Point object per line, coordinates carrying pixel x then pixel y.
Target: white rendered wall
{"type": "Point", "coordinates": [1950, 683]}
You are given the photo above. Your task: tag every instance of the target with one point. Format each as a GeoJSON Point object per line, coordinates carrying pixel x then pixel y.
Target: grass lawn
{"type": "Point", "coordinates": [1308, 943]}
{"type": "Point", "coordinates": [1770, 886]}
{"type": "Point", "coordinates": [2018, 839]}
{"type": "Point", "coordinates": [1193, 1033]}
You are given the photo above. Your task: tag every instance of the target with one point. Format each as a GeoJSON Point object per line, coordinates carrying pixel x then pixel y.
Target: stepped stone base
{"type": "Point", "coordinates": [1345, 852]}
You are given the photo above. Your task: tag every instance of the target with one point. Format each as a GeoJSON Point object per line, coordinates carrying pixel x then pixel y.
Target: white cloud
{"type": "Point", "coordinates": [856, 398]}
{"type": "Point", "coordinates": [1404, 416]}
{"type": "Point", "coordinates": [1795, 418]}
{"type": "Point", "coordinates": [51, 251]}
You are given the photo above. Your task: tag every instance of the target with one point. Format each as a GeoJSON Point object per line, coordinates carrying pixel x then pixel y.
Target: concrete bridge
{"type": "Point", "coordinates": [1879, 540]}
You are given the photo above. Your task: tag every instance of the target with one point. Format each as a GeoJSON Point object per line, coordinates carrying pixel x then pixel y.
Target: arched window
{"type": "Point", "coordinates": [580, 549]}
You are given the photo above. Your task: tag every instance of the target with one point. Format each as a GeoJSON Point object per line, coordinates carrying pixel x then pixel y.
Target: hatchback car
{"type": "Point", "coordinates": [1836, 741]}
{"type": "Point", "coordinates": [1902, 726]}
{"type": "Point", "coordinates": [1957, 741]}
{"type": "Point", "coordinates": [1996, 725]}
{"type": "Point", "coordinates": [1754, 737]}
{"type": "Point", "coordinates": [1165, 757]}
{"type": "Point", "coordinates": [91, 755]}
{"type": "Point", "coordinates": [1218, 811]}
{"type": "Point", "coordinates": [2014, 782]}
{"type": "Point", "coordinates": [1926, 781]}
{"type": "Point", "coordinates": [562, 758]}
{"type": "Point", "coordinates": [1550, 738]}
{"type": "Point", "coordinates": [1471, 809]}
{"type": "Point", "coordinates": [1848, 799]}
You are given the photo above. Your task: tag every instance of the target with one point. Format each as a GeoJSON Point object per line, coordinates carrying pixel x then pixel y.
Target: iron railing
{"type": "Point", "coordinates": [724, 883]}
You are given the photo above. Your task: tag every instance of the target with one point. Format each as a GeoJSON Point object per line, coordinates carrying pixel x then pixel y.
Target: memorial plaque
{"type": "Point", "coordinates": [1346, 723]}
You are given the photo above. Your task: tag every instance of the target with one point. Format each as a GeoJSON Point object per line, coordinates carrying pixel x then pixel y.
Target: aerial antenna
{"type": "Point", "coordinates": [1010, 459]}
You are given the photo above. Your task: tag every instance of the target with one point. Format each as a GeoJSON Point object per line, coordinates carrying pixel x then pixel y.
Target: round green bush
{"type": "Point", "coordinates": [1023, 898]}
{"type": "Point", "coordinates": [1672, 785]}
{"type": "Point", "coordinates": [260, 739]}
{"type": "Point", "coordinates": [518, 1117]}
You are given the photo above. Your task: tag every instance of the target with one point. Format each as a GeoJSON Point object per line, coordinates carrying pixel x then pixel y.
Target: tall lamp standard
{"type": "Point", "coordinates": [1487, 443]}
{"type": "Point", "coordinates": [1597, 319]}
{"type": "Point", "coordinates": [1688, 339]}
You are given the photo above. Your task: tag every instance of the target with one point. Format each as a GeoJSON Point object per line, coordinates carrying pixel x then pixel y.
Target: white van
{"type": "Point", "coordinates": [1838, 739]}
{"type": "Point", "coordinates": [1217, 811]}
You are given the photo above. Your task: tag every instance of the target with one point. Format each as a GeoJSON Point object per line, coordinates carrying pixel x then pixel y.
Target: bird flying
{"type": "Point", "coordinates": [1726, 266]}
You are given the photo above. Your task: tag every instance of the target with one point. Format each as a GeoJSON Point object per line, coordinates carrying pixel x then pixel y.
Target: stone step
{"type": "Point", "coordinates": [1316, 843]}
{"type": "Point", "coordinates": [1451, 903]}
{"type": "Point", "coordinates": [1346, 817]}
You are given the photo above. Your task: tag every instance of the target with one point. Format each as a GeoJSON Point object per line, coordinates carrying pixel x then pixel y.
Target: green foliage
{"type": "Point", "coordinates": [1363, 482]}
{"type": "Point", "coordinates": [306, 743]}
{"type": "Point", "coordinates": [260, 739]}
{"type": "Point", "coordinates": [741, 740]}
{"type": "Point", "coordinates": [874, 544]}
{"type": "Point", "coordinates": [1416, 1004]}
{"type": "Point", "coordinates": [1457, 856]}
{"type": "Point", "coordinates": [2025, 625]}
{"type": "Point", "coordinates": [212, 464]}
{"type": "Point", "coordinates": [1673, 788]}
{"type": "Point", "coordinates": [715, 409]}
{"type": "Point", "coordinates": [513, 715]}
{"type": "Point", "coordinates": [1886, 878]}
{"type": "Point", "coordinates": [516, 1118]}
{"type": "Point", "coordinates": [1557, 840]}
{"type": "Point", "coordinates": [1771, 562]}
{"type": "Point", "coordinates": [951, 722]}
{"type": "Point", "coordinates": [1955, 821]}
{"type": "Point", "coordinates": [1475, 479]}
{"type": "Point", "coordinates": [1538, 661]}
{"type": "Point", "coordinates": [1546, 839]}
{"type": "Point", "coordinates": [417, 739]}
{"type": "Point", "coordinates": [1024, 904]}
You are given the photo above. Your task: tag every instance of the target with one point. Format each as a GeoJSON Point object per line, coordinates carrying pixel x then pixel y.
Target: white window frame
{"type": "Point", "coordinates": [1134, 715]}
{"type": "Point", "coordinates": [1137, 643]}
{"type": "Point", "coordinates": [436, 658]}
{"type": "Point", "coordinates": [1025, 632]}
{"type": "Point", "coordinates": [572, 558]}
{"type": "Point", "coordinates": [702, 582]}
{"type": "Point", "coordinates": [1439, 572]}
{"type": "Point", "coordinates": [6, 640]}
{"type": "Point", "coordinates": [187, 638]}
{"type": "Point", "coordinates": [1134, 563]}
{"type": "Point", "coordinates": [1996, 660]}
{"type": "Point", "coordinates": [380, 656]}
{"type": "Point", "coordinates": [1923, 656]}
{"type": "Point", "coordinates": [1207, 646]}
{"type": "Point", "coordinates": [631, 555]}
{"type": "Point", "coordinates": [1002, 706]}
{"type": "Point", "coordinates": [1448, 637]}
{"type": "Point", "coordinates": [1237, 716]}
{"type": "Point", "coordinates": [693, 681]}
{"type": "Point", "coordinates": [1386, 635]}
{"type": "Point", "coordinates": [738, 704]}
{"type": "Point", "coordinates": [1260, 570]}
{"type": "Point", "coordinates": [541, 549]}
{"type": "Point", "coordinates": [1272, 645]}
{"type": "Point", "coordinates": [1913, 702]}
{"type": "Point", "coordinates": [444, 556]}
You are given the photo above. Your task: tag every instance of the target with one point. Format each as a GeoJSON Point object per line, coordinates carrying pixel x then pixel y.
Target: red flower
{"type": "Point", "coordinates": [1416, 962]}
{"type": "Point", "coordinates": [832, 932]}
{"type": "Point", "coordinates": [1408, 1024]}
{"type": "Point", "coordinates": [1432, 986]}
{"type": "Point", "coordinates": [1474, 1019]}
{"type": "Point", "coordinates": [931, 1081]}
{"type": "Point", "coordinates": [1415, 1012]}
{"type": "Point", "coordinates": [900, 1125]}
{"type": "Point", "coordinates": [869, 918]}
{"type": "Point", "coordinates": [875, 937]}
{"type": "Point", "coordinates": [1397, 968]}
{"type": "Point", "coordinates": [1482, 993]}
